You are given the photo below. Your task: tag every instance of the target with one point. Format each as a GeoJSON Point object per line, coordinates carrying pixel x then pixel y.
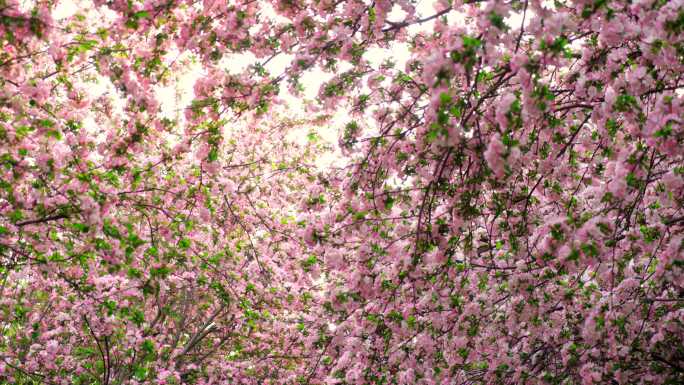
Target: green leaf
{"type": "Point", "coordinates": [81, 227]}
{"type": "Point", "coordinates": [141, 14]}
{"type": "Point", "coordinates": [140, 372]}
{"type": "Point", "coordinates": [184, 243]}
{"type": "Point", "coordinates": [138, 317]}
{"type": "Point", "coordinates": [665, 131]}
{"type": "Point", "coordinates": [497, 21]}
{"type": "Point", "coordinates": [47, 123]}
{"type": "Point", "coordinates": [111, 231]}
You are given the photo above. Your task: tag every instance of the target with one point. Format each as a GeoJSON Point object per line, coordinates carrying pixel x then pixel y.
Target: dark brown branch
{"type": "Point", "coordinates": [43, 220]}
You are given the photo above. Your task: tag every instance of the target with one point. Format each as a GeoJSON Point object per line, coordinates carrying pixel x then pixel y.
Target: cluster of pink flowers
{"type": "Point", "coordinates": [509, 209]}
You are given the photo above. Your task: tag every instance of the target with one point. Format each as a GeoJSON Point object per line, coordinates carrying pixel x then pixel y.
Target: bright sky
{"type": "Point", "coordinates": [179, 94]}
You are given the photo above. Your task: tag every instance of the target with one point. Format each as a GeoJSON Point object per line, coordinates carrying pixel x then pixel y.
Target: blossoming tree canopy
{"type": "Point", "coordinates": [515, 209]}
{"type": "Point", "coordinates": [509, 210]}
{"type": "Point", "coordinates": [138, 246]}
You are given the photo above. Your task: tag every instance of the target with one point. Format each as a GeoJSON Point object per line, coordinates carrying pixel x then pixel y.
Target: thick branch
{"type": "Point", "coordinates": [43, 220]}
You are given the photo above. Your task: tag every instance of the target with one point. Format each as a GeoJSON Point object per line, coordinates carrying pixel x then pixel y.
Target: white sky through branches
{"type": "Point", "coordinates": [176, 96]}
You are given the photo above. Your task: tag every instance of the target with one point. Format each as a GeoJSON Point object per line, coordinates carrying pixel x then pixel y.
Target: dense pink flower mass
{"type": "Point", "coordinates": [508, 205]}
